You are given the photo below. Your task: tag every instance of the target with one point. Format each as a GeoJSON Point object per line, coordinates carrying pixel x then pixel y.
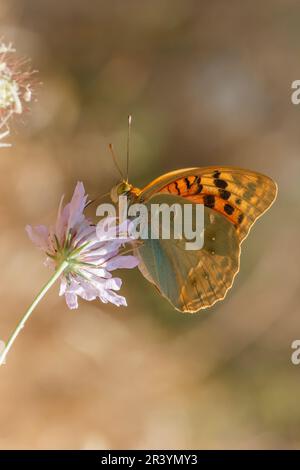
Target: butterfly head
{"type": "Point", "coordinates": [122, 189]}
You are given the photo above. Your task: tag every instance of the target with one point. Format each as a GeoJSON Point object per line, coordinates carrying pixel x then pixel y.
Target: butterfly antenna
{"type": "Point", "coordinates": [110, 146]}
{"type": "Point", "coordinates": [97, 199]}
{"type": "Point", "coordinates": [128, 146]}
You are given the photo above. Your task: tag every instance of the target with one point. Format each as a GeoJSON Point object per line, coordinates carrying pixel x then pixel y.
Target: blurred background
{"type": "Point", "coordinates": [207, 82]}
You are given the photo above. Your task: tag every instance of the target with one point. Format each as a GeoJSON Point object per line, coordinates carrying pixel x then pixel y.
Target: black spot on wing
{"type": "Point", "coordinates": [240, 218]}
{"type": "Point", "coordinates": [216, 174]}
{"type": "Point", "coordinates": [220, 183]}
{"type": "Point", "coordinates": [188, 183]}
{"type": "Point", "coordinates": [209, 200]}
{"type": "Point", "coordinates": [224, 194]}
{"type": "Point", "coordinates": [199, 189]}
{"type": "Point", "coordinates": [228, 209]}
{"type": "Point", "coordinates": [177, 188]}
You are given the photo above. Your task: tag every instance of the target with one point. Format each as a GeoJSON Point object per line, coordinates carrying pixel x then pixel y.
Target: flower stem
{"type": "Point", "coordinates": [29, 311]}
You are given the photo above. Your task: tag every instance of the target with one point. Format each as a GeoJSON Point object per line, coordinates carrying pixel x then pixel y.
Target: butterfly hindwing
{"type": "Point", "coordinates": [192, 279]}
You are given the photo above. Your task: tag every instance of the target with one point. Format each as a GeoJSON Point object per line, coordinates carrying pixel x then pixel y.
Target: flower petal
{"type": "Point", "coordinates": [113, 283]}
{"type": "Point", "coordinates": [77, 206]}
{"type": "Point", "coordinates": [112, 297]}
{"type": "Point", "coordinates": [127, 262]}
{"type": "Point", "coordinates": [39, 235]}
{"type": "Point", "coordinates": [72, 301]}
{"type": "Point", "coordinates": [63, 286]}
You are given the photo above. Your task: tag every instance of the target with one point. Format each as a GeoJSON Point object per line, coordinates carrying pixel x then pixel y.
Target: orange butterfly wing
{"type": "Point", "coordinates": [241, 196]}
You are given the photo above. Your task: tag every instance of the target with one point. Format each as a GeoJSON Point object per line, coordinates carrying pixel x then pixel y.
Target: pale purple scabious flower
{"type": "Point", "coordinates": [91, 253]}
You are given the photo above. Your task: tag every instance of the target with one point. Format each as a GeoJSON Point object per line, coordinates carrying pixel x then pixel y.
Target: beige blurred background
{"type": "Point", "coordinates": [207, 82]}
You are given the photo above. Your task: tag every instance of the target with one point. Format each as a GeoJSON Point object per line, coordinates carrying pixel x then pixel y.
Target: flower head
{"type": "Point", "coordinates": [91, 252]}
{"type": "Point", "coordinates": [15, 87]}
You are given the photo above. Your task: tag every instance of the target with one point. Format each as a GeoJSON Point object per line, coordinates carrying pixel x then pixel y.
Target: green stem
{"type": "Point", "coordinates": [28, 312]}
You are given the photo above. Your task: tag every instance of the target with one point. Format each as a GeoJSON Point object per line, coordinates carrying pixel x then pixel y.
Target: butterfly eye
{"type": "Point", "coordinates": [119, 190]}
{"type": "Point", "coordinates": [124, 188]}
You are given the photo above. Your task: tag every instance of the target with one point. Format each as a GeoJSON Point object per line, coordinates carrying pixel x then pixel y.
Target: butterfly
{"type": "Point", "coordinates": [233, 199]}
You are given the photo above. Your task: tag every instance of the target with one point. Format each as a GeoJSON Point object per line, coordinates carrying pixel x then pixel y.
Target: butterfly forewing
{"type": "Point", "coordinates": [241, 196]}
